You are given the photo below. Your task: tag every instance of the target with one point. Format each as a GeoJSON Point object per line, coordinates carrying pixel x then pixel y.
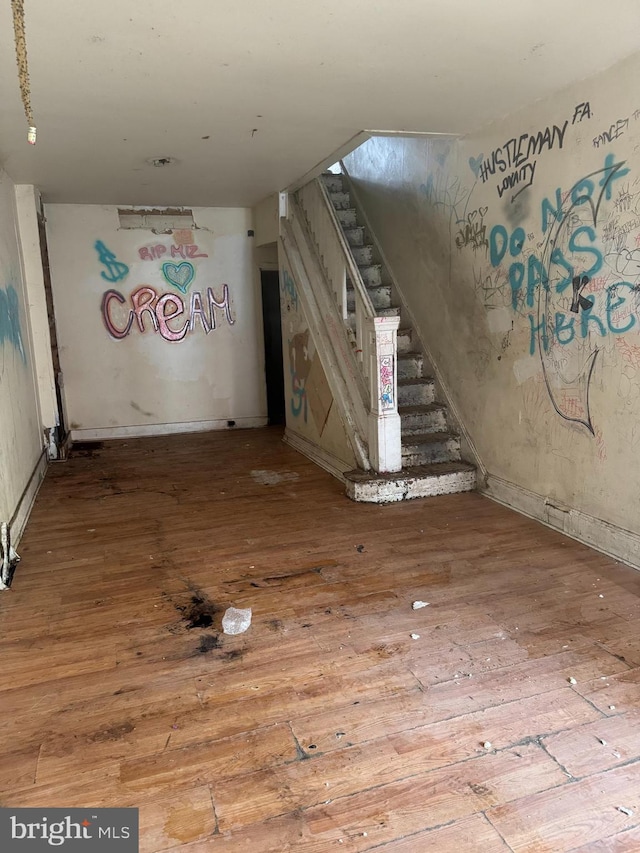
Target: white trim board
{"type": "Point", "coordinates": [615, 542]}
{"type": "Point", "coordinates": [21, 514]}
{"type": "Point", "coordinates": [334, 466]}
{"type": "Point", "coordinates": [142, 430]}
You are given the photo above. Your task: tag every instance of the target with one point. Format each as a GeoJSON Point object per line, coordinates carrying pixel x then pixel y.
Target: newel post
{"type": "Point", "coordinates": [385, 448]}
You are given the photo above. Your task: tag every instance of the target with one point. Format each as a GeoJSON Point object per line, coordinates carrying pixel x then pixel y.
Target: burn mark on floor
{"type": "Point", "coordinates": [198, 612]}
{"type": "Point", "coordinates": [207, 643]}
{"type": "Point", "coordinates": [232, 654]}
{"type": "Point", "coordinates": [87, 449]}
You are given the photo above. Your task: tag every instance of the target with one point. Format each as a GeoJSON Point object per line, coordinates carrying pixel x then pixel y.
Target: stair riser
{"type": "Point", "coordinates": [440, 451]}
{"type": "Point", "coordinates": [371, 275]}
{"type": "Point", "coordinates": [382, 312]}
{"type": "Point", "coordinates": [355, 236]}
{"type": "Point", "coordinates": [363, 255]}
{"type": "Point", "coordinates": [380, 297]}
{"type": "Point", "coordinates": [415, 395]}
{"type": "Point", "coordinates": [405, 488]}
{"type": "Point", "coordinates": [333, 183]}
{"type": "Point", "coordinates": [347, 218]}
{"type": "Point", "coordinates": [409, 368]}
{"type": "Point", "coordinates": [434, 421]}
{"type": "Point", "coordinates": [340, 200]}
{"type": "Point", "coordinates": [404, 342]}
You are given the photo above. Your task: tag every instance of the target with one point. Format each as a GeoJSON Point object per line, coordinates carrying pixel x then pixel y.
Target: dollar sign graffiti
{"type": "Point", "coordinates": [116, 270]}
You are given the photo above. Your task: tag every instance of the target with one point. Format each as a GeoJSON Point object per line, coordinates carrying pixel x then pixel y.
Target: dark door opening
{"type": "Point", "coordinates": [272, 323]}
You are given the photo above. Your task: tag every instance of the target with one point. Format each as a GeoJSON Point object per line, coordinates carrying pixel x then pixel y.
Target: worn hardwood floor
{"type": "Point", "coordinates": [325, 726]}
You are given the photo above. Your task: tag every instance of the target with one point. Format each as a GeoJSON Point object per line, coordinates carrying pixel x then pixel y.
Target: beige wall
{"type": "Point", "coordinates": [27, 207]}
{"type": "Point", "coordinates": [173, 375]}
{"type": "Point", "coordinates": [266, 218]}
{"type": "Point", "coordinates": [482, 264]}
{"type": "Point", "coordinates": [21, 439]}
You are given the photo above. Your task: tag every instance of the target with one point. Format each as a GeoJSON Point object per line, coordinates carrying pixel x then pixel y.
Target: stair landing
{"type": "Point", "coordinates": [418, 481]}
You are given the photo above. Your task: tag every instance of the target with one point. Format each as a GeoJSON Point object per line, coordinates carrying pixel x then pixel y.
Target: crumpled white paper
{"type": "Point", "coordinates": [236, 621]}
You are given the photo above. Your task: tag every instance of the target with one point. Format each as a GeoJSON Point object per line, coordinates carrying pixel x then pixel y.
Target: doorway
{"type": "Point", "coordinates": [272, 322]}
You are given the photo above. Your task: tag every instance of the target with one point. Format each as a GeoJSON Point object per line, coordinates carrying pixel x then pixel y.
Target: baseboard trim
{"type": "Point", "coordinates": [609, 539]}
{"type": "Point", "coordinates": [21, 514]}
{"type": "Point", "coordinates": [142, 430]}
{"type": "Point", "coordinates": [334, 466]}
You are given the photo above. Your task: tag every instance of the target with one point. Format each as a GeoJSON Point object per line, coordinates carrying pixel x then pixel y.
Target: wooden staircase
{"type": "Point", "coordinates": [431, 461]}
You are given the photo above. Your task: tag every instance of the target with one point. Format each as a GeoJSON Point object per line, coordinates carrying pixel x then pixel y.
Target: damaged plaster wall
{"type": "Point", "coordinates": [21, 442]}
{"type": "Point", "coordinates": [314, 425]}
{"type": "Point", "coordinates": [158, 332]}
{"type": "Point", "coordinates": [517, 250]}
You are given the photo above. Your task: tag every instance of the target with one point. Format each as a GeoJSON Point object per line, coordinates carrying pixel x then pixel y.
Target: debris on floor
{"type": "Point", "coordinates": [625, 810]}
{"type": "Point", "coordinates": [572, 680]}
{"type": "Point", "coordinates": [415, 636]}
{"type": "Point", "coordinates": [9, 557]}
{"type": "Point", "coordinates": [359, 548]}
{"type": "Point", "coordinates": [236, 620]}
{"type": "Point", "coordinates": [418, 604]}
{"type": "Point", "coordinates": [487, 745]}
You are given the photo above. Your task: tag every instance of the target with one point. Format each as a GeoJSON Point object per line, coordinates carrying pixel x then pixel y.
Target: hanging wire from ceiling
{"type": "Point", "coordinates": [17, 6]}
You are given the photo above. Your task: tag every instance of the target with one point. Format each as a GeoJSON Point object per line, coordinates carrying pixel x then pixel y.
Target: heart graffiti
{"type": "Point", "coordinates": [179, 275]}
{"type": "Point", "coordinates": [475, 163]}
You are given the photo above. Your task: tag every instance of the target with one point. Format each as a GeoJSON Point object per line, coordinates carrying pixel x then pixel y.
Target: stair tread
{"type": "Point", "coordinates": [418, 380]}
{"type": "Point", "coordinates": [421, 408]}
{"type": "Point", "coordinates": [431, 469]}
{"type": "Point", "coordinates": [350, 287]}
{"type": "Point", "coordinates": [428, 437]}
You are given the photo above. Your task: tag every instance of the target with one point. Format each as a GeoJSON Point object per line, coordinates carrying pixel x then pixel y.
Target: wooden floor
{"type": "Point", "coordinates": [510, 723]}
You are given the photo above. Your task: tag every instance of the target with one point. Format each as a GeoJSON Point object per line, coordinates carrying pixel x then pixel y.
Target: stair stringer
{"type": "Point", "coordinates": [468, 446]}
{"type": "Point", "coordinates": [328, 333]}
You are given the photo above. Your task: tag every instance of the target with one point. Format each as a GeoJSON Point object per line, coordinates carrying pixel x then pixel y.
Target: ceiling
{"type": "Point", "coordinates": [249, 95]}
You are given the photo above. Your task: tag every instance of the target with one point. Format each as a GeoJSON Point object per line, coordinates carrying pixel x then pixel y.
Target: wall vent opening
{"type": "Point", "coordinates": [159, 220]}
